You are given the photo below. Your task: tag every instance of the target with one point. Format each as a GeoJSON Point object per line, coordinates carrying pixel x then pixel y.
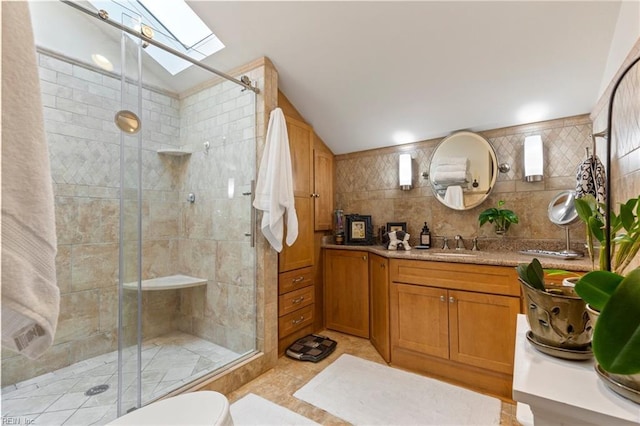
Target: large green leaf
{"type": "Point", "coordinates": [532, 274]}
{"type": "Point", "coordinates": [583, 208]}
{"type": "Point", "coordinates": [616, 338]}
{"type": "Point", "coordinates": [597, 287]}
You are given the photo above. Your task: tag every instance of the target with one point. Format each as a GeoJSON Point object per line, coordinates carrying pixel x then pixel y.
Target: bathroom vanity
{"type": "Point", "coordinates": [448, 314]}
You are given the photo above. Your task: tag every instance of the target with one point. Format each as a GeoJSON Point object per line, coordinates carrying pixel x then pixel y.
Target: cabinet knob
{"type": "Point", "coordinates": [451, 299]}
{"type": "Point", "coordinates": [364, 257]}
{"type": "Point", "coordinates": [315, 195]}
{"type": "Point", "coordinates": [442, 298]}
{"type": "Point", "coordinates": [382, 265]}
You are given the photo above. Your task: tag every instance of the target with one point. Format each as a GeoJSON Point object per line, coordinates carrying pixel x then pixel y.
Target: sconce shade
{"type": "Point", "coordinates": [533, 159]}
{"type": "Point", "coordinates": [404, 172]}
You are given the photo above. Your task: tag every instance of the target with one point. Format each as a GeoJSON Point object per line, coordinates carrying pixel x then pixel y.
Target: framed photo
{"type": "Point", "coordinates": [396, 226]}
{"type": "Point", "coordinates": [359, 230]}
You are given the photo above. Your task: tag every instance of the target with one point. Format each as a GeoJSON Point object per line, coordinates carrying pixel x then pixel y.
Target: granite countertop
{"type": "Point", "coordinates": [480, 257]}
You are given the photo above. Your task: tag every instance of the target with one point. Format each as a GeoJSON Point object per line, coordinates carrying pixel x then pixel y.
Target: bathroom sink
{"type": "Point", "coordinates": [456, 254]}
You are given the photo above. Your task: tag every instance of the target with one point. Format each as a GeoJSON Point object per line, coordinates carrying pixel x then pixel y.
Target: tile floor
{"type": "Point", "coordinates": [279, 384]}
{"type": "Point", "coordinates": [58, 398]}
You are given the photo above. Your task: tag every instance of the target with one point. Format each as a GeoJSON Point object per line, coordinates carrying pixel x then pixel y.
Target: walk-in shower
{"type": "Point", "coordinates": [152, 171]}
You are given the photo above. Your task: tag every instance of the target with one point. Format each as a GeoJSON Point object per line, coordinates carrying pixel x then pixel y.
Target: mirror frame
{"type": "Point", "coordinates": [554, 202]}
{"type": "Point", "coordinates": [494, 159]}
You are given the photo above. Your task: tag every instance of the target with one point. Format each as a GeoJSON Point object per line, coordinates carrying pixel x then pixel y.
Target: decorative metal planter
{"type": "Point", "coordinates": [558, 319]}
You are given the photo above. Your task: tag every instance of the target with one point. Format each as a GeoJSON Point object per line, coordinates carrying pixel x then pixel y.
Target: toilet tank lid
{"type": "Point", "coordinates": [195, 408]}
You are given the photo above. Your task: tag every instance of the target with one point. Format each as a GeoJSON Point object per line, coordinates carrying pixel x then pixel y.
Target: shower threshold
{"type": "Point", "coordinates": [169, 362]}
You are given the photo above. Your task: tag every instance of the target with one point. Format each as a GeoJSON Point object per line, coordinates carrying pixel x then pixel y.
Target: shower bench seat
{"type": "Point", "coordinates": [171, 282]}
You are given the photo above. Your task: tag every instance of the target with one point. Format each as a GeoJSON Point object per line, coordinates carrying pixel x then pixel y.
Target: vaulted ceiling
{"type": "Point", "coordinates": [374, 74]}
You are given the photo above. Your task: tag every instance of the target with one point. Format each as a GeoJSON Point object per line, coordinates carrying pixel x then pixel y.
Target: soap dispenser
{"type": "Point", "coordinates": [425, 237]}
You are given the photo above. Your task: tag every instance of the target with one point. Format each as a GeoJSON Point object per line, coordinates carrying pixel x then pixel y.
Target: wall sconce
{"type": "Point", "coordinates": [404, 172]}
{"type": "Point", "coordinates": [533, 159]}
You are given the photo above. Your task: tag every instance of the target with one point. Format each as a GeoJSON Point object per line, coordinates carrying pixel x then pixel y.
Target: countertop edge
{"type": "Point", "coordinates": [494, 258]}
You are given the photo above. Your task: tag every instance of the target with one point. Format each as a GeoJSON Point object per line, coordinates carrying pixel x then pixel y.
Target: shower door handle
{"type": "Point", "coordinates": [252, 234]}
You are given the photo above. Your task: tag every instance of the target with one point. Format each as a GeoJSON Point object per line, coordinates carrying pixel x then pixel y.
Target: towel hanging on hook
{"type": "Point", "coordinates": [591, 176]}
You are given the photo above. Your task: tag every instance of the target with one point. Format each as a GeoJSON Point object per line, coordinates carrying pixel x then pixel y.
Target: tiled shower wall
{"type": "Point", "coordinates": [213, 243]}
{"type": "Point", "coordinates": [625, 143]}
{"type": "Point", "coordinates": [367, 183]}
{"type": "Point", "coordinates": [79, 104]}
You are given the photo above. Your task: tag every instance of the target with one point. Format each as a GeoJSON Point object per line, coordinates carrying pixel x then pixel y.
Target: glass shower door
{"type": "Point", "coordinates": [128, 120]}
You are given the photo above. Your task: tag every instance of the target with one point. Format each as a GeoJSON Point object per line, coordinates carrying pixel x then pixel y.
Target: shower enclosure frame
{"type": "Point", "coordinates": [246, 84]}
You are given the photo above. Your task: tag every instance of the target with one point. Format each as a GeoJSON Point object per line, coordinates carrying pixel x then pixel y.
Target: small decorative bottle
{"type": "Point", "coordinates": [425, 236]}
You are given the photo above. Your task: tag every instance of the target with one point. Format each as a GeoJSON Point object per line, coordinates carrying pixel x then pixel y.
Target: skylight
{"type": "Point", "coordinates": [179, 19]}
{"type": "Point", "coordinates": [174, 24]}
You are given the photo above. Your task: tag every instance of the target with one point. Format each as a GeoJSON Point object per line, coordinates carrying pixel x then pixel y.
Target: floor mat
{"type": "Point", "coordinates": [254, 410]}
{"type": "Point", "coordinates": [367, 393]}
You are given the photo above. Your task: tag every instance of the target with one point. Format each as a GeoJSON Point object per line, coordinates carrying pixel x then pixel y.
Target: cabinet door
{"type": "Point", "coordinates": [419, 319]}
{"type": "Point", "coordinates": [347, 291]}
{"type": "Point", "coordinates": [300, 145]}
{"type": "Point", "coordinates": [300, 254]}
{"type": "Point", "coordinates": [379, 306]}
{"type": "Point", "coordinates": [483, 329]}
{"type": "Point", "coordinates": [323, 190]}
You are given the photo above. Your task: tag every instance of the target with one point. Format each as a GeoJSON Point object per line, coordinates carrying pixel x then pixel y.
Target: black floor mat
{"type": "Point", "coordinates": [311, 348]}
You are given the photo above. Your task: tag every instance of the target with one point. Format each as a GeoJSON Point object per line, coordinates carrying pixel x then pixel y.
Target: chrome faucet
{"type": "Point", "coordinates": [459, 242]}
{"type": "Point", "coordinates": [445, 245]}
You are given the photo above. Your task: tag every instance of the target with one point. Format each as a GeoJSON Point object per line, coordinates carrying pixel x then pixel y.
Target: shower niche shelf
{"type": "Point", "coordinates": [175, 152]}
{"type": "Point", "coordinates": [171, 282]}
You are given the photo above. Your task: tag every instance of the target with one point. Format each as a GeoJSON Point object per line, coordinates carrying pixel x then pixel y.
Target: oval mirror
{"type": "Point", "coordinates": [562, 209]}
{"type": "Point", "coordinates": [127, 121]}
{"type": "Point", "coordinates": [463, 170]}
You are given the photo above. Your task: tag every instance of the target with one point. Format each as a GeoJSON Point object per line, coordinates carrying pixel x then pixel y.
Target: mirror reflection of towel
{"type": "Point", "coordinates": [454, 197]}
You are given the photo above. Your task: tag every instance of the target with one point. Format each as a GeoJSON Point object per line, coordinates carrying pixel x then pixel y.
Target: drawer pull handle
{"type": "Point", "coordinates": [297, 300]}
{"type": "Point", "coordinates": [298, 280]}
{"type": "Point", "coordinates": [297, 321]}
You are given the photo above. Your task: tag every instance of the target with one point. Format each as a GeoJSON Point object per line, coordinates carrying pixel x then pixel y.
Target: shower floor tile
{"type": "Point", "coordinates": [57, 398]}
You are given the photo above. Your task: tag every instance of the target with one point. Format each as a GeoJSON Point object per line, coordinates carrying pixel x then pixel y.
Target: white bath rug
{"type": "Point", "coordinates": [252, 410]}
{"type": "Point", "coordinates": [366, 393]}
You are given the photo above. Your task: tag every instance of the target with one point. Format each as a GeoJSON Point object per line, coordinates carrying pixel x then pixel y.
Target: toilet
{"type": "Point", "coordinates": [195, 408]}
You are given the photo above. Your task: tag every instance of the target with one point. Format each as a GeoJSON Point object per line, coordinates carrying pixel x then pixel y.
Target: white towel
{"type": "Point", "coordinates": [274, 190]}
{"type": "Point", "coordinates": [452, 168]}
{"type": "Point", "coordinates": [454, 197]}
{"type": "Point", "coordinates": [464, 161]}
{"type": "Point", "coordinates": [449, 177]}
{"type": "Point", "coordinates": [30, 296]}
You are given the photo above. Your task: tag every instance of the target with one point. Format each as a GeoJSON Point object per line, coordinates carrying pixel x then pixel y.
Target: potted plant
{"type": "Point", "coordinates": [625, 229]}
{"type": "Point", "coordinates": [556, 315]}
{"type": "Point", "coordinates": [501, 218]}
{"type": "Point", "coordinates": [616, 335]}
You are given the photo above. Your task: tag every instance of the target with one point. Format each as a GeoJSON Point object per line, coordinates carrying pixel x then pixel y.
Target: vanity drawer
{"type": "Point", "coordinates": [295, 320]}
{"type": "Point", "coordinates": [294, 300]}
{"type": "Point", "coordinates": [294, 280]}
{"type": "Point", "coordinates": [459, 276]}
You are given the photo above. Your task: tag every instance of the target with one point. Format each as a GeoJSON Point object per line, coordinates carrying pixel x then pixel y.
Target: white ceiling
{"type": "Point", "coordinates": [360, 72]}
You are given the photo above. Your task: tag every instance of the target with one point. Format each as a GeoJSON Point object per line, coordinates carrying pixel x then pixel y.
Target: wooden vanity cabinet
{"type": "Point", "coordinates": [346, 285]}
{"type": "Point", "coordinates": [456, 321]}
{"type": "Point", "coordinates": [379, 305]}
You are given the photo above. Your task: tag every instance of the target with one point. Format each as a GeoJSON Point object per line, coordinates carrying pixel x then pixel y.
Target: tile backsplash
{"type": "Point", "coordinates": [367, 183]}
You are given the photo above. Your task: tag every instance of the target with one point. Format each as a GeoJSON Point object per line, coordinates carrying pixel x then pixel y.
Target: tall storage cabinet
{"type": "Point", "coordinates": [296, 284]}
{"type": "Point", "coordinates": [300, 293]}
